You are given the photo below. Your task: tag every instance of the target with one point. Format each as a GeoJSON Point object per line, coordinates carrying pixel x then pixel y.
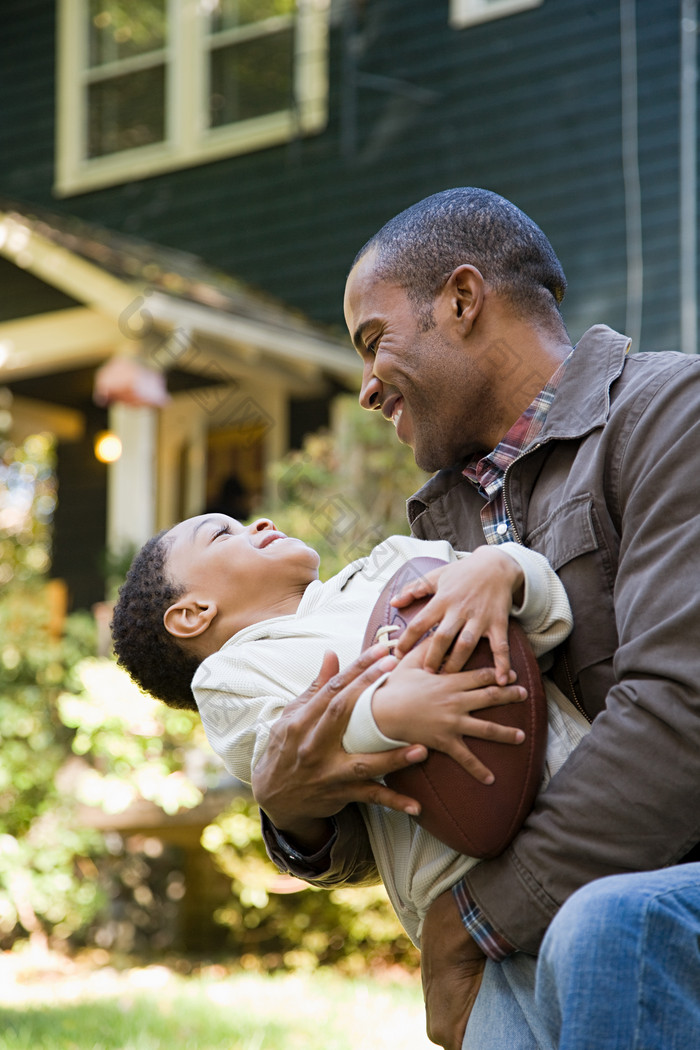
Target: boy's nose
{"type": "Point", "coordinates": [261, 525]}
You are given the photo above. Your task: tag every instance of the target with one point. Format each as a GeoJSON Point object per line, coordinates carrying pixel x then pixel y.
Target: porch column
{"type": "Point", "coordinates": [131, 481]}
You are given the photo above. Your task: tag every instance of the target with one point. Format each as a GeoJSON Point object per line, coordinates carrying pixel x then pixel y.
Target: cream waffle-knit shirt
{"type": "Point", "coordinates": [242, 689]}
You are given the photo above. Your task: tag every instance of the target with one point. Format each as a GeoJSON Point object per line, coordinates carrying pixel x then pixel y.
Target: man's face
{"type": "Point", "coordinates": [417, 370]}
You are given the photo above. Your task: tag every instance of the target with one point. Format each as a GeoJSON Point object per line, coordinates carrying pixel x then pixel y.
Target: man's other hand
{"type": "Point", "coordinates": [305, 776]}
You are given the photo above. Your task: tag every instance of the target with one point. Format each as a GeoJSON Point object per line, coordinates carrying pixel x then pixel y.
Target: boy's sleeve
{"type": "Point", "coordinates": [363, 736]}
{"type": "Point", "coordinates": [545, 613]}
{"type": "Point", "coordinates": [236, 718]}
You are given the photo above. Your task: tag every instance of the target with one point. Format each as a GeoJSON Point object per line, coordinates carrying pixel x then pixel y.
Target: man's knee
{"type": "Point", "coordinates": [597, 918]}
{"type": "Point", "coordinates": [618, 908]}
{"type": "Point", "coordinates": [622, 958]}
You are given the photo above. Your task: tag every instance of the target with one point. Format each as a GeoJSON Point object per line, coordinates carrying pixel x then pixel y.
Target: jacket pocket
{"type": "Point", "coordinates": [567, 533]}
{"type": "Point", "coordinates": [573, 539]}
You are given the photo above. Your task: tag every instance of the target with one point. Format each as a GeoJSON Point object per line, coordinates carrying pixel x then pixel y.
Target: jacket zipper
{"type": "Point", "coordinates": [505, 490]}
{"type": "Point", "coordinates": [573, 696]}
{"type": "Point", "coordinates": [510, 516]}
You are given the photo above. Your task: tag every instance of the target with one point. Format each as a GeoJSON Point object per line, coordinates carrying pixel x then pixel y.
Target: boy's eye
{"type": "Point", "coordinates": [223, 530]}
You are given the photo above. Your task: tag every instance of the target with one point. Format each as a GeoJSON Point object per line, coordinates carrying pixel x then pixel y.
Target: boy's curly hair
{"type": "Point", "coordinates": [142, 645]}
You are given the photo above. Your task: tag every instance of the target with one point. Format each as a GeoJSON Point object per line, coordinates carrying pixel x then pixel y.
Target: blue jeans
{"type": "Point", "coordinates": [619, 970]}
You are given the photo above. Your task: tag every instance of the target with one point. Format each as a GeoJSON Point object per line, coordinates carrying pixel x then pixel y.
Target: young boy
{"type": "Point", "coordinates": [235, 618]}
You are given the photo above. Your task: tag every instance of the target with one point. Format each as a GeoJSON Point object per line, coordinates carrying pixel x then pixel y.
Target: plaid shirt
{"type": "Point", "coordinates": [487, 474]}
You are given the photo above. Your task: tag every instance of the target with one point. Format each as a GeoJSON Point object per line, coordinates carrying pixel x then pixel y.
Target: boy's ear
{"type": "Point", "coordinates": [188, 618]}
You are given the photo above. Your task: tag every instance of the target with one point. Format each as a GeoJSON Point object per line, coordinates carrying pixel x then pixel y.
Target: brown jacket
{"type": "Point", "coordinates": [610, 494]}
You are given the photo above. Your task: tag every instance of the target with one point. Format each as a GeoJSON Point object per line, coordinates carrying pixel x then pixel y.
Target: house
{"type": "Point", "coordinates": [270, 139]}
{"type": "Point", "coordinates": [196, 380]}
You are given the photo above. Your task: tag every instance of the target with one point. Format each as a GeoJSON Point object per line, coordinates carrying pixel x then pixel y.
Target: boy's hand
{"type": "Point", "coordinates": [472, 599]}
{"type": "Point", "coordinates": [435, 709]}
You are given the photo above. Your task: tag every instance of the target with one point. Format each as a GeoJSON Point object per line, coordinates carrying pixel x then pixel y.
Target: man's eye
{"type": "Point", "coordinates": [371, 347]}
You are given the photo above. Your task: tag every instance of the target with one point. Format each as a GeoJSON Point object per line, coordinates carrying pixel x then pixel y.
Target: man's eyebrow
{"type": "Point", "coordinates": [358, 338]}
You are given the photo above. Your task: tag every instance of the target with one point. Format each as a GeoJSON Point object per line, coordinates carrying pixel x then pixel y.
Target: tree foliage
{"type": "Point", "coordinates": [346, 489]}
{"type": "Point", "coordinates": [40, 887]}
{"type": "Point", "coordinates": [76, 731]}
{"type": "Point", "coordinates": [27, 501]}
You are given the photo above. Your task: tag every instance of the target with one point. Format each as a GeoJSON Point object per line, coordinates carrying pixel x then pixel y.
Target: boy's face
{"type": "Point", "coordinates": [245, 573]}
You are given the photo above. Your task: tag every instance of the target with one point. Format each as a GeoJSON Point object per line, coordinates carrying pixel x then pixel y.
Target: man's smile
{"type": "Point", "coordinates": [392, 409]}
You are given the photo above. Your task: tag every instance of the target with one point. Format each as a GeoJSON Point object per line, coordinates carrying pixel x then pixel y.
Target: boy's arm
{"type": "Point", "coordinates": [474, 596]}
{"type": "Point", "coordinates": [544, 613]}
{"type": "Point", "coordinates": [432, 709]}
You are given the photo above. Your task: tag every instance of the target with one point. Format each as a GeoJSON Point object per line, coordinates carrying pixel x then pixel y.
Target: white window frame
{"type": "Point", "coordinates": [188, 139]}
{"type": "Point", "coordinates": [471, 12]}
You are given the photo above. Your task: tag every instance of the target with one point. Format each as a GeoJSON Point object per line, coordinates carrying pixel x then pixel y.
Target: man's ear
{"type": "Point", "coordinates": [188, 618]}
{"type": "Point", "coordinates": [465, 289]}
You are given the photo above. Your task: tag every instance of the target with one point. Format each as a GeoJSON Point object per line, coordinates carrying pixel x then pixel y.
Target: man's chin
{"type": "Point", "coordinates": [430, 459]}
{"type": "Point", "coordinates": [427, 461]}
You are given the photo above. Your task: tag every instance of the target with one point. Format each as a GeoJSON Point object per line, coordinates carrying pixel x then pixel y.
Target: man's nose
{"type": "Point", "coordinates": [371, 391]}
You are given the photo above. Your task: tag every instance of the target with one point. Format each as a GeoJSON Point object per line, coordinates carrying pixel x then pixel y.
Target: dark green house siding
{"type": "Point", "coordinates": [528, 105]}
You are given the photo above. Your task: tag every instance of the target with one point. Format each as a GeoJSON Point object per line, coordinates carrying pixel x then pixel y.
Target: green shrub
{"type": "Point", "coordinates": [277, 922]}
{"type": "Point", "coordinates": [40, 841]}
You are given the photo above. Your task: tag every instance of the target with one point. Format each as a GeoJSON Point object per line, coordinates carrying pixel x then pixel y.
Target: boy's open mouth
{"type": "Point", "coordinates": [268, 537]}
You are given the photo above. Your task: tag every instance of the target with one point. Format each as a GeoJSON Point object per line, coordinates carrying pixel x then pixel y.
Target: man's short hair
{"type": "Point", "coordinates": [420, 247]}
{"type": "Point", "coordinates": [143, 647]}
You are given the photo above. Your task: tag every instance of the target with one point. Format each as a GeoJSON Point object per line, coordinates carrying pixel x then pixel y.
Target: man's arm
{"type": "Point", "coordinates": [628, 799]}
{"type": "Point", "coordinates": [344, 857]}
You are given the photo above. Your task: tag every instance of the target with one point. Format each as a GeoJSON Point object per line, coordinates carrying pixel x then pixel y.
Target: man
{"type": "Point", "coordinates": [587, 456]}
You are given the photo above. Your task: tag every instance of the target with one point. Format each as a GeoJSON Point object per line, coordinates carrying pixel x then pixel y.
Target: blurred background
{"type": "Point", "coordinates": [184, 185]}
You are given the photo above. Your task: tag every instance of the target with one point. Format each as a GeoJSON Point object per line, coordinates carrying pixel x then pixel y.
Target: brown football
{"type": "Point", "coordinates": [476, 819]}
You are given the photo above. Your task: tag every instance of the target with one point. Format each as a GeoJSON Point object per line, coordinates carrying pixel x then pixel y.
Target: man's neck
{"type": "Point", "coordinates": [527, 366]}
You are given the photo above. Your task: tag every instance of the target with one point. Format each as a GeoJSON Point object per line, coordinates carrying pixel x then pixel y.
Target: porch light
{"type": "Point", "coordinates": [108, 447]}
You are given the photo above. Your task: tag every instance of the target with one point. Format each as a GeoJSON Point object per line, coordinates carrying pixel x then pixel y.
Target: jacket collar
{"type": "Point", "coordinates": [582, 401]}
{"type": "Point", "coordinates": [581, 404]}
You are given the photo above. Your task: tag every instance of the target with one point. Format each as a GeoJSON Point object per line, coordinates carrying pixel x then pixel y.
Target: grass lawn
{"type": "Point", "coordinates": [74, 1007]}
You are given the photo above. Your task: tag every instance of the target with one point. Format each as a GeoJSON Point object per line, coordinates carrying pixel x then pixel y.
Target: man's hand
{"type": "Point", "coordinates": [452, 965]}
{"type": "Point", "coordinates": [305, 776]}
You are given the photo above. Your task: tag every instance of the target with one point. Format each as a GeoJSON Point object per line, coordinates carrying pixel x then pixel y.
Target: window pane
{"type": "Point", "coordinates": [122, 28]}
{"type": "Point", "coordinates": [228, 14]}
{"type": "Point", "coordinates": [251, 78]}
{"type": "Point", "coordinates": [127, 111]}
